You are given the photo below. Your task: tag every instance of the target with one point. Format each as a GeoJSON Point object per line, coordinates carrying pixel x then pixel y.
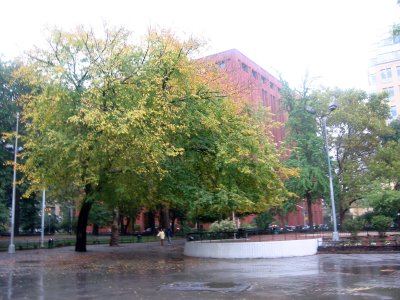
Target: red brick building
{"type": "Point", "coordinates": [253, 84]}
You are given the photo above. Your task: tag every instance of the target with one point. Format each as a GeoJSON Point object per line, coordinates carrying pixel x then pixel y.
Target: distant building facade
{"type": "Point", "coordinates": [255, 85]}
{"type": "Point", "coordinates": [384, 71]}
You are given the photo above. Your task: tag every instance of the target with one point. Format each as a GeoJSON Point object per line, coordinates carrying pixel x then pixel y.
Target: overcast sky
{"type": "Point", "coordinates": [330, 39]}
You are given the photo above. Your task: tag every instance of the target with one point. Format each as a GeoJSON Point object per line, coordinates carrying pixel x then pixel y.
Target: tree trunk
{"type": "Point", "coordinates": [114, 228]}
{"type": "Point", "coordinates": [173, 219]}
{"type": "Point", "coordinates": [342, 213]}
{"type": "Point", "coordinates": [80, 245]}
{"type": "Point", "coordinates": [164, 217]}
{"type": "Point", "coordinates": [95, 230]}
{"type": "Point", "coordinates": [309, 209]}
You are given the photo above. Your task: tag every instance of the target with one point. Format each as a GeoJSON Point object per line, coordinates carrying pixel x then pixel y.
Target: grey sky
{"type": "Point", "coordinates": [328, 39]}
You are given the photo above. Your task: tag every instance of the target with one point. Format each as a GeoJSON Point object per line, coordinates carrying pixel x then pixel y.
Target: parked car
{"type": "Point", "coordinates": [289, 228]}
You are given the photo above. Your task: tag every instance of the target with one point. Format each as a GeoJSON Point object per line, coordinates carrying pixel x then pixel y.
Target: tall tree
{"type": "Point", "coordinates": [11, 88]}
{"type": "Point", "coordinates": [229, 163]}
{"type": "Point", "coordinates": [356, 131]}
{"type": "Point", "coordinates": [101, 116]}
{"type": "Point", "coordinates": [306, 146]}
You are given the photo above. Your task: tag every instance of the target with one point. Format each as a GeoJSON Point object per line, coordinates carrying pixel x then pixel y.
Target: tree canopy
{"type": "Point", "coordinates": [138, 123]}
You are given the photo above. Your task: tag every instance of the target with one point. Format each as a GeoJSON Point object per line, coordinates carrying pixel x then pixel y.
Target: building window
{"type": "Point", "coordinates": [390, 91]}
{"type": "Point", "coordinates": [393, 112]}
{"type": "Point", "coordinates": [263, 79]}
{"type": "Point", "coordinates": [245, 67]}
{"type": "Point", "coordinates": [255, 74]}
{"type": "Point", "coordinates": [264, 98]}
{"type": "Point", "coordinates": [221, 64]}
{"type": "Point", "coordinates": [273, 104]}
{"type": "Point", "coordinates": [271, 85]}
{"type": "Point", "coordinates": [398, 71]}
{"type": "Point", "coordinates": [372, 79]}
{"type": "Point", "coordinates": [386, 74]}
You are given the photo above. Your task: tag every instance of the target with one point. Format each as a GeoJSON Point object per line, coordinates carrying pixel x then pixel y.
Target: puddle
{"type": "Point", "coordinates": [29, 262]}
{"type": "Point", "coordinates": [372, 270]}
{"type": "Point", "coordinates": [220, 285]}
{"type": "Point", "coordinates": [206, 286]}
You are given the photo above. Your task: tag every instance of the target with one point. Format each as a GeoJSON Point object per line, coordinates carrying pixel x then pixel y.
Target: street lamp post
{"type": "Point", "coordinates": [11, 247]}
{"type": "Point", "coordinates": [335, 234]}
{"type": "Point", "coordinates": [43, 212]}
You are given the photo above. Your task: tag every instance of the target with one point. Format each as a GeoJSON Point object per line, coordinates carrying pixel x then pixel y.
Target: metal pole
{"type": "Point", "coordinates": [335, 234]}
{"type": "Point", "coordinates": [43, 207]}
{"type": "Point", "coordinates": [11, 247]}
{"type": "Point", "coordinates": [70, 223]}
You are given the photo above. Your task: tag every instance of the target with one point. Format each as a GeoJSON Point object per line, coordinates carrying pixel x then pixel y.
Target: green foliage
{"type": "Point", "coordinates": [385, 202]}
{"type": "Point", "coordinates": [4, 218]}
{"type": "Point", "coordinates": [248, 226]}
{"type": "Point", "coordinates": [381, 224]}
{"type": "Point", "coordinates": [221, 226]}
{"type": "Point", "coordinates": [8, 109]}
{"type": "Point", "coordinates": [386, 164]}
{"type": "Point", "coordinates": [100, 215]}
{"type": "Point", "coordinates": [306, 147]}
{"type": "Point", "coordinates": [30, 210]}
{"type": "Point", "coordinates": [354, 135]}
{"type": "Point", "coordinates": [353, 226]}
{"type": "Point", "coordinates": [264, 219]}
{"type": "Point", "coordinates": [141, 125]}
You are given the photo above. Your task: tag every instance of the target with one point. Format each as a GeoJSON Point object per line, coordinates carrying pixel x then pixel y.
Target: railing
{"type": "Point", "coordinates": [254, 235]}
{"type": "Point", "coordinates": [361, 244]}
{"type": "Point", "coordinates": [258, 235]}
{"type": "Point", "coordinates": [54, 241]}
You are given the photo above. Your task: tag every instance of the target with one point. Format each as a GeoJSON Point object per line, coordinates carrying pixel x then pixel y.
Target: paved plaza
{"type": "Point", "coordinates": [149, 271]}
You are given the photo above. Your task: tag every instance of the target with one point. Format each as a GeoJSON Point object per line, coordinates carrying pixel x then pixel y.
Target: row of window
{"type": "Point", "coordinates": [393, 112]}
{"type": "Point", "coordinates": [385, 75]}
{"type": "Point", "coordinates": [390, 91]}
{"type": "Point", "coordinates": [221, 64]}
{"type": "Point", "coordinates": [256, 75]}
{"type": "Point", "coordinates": [393, 108]}
{"type": "Point", "coordinates": [264, 97]}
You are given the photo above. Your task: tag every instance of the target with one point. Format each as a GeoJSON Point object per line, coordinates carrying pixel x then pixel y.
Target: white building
{"type": "Point", "coordinates": [384, 71]}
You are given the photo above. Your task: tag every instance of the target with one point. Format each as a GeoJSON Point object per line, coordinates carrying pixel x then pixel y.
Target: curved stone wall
{"type": "Point", "coordinates": [270, 249]}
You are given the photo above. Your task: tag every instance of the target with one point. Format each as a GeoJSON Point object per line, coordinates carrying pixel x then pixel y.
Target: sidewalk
{"type": "Point", "coordinates": [149, 271]}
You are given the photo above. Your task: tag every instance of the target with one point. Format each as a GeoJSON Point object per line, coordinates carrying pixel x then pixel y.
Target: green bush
{"type": "Point", "coordinates": [381, 224]}
{"type": "Point", "coordinates": [248, 226]}
{"type": "Point", "coordinates": [353, 226]}
{"type": "Point", "coordinates": [224, 225]}
{"type": "Point", "coordinates": [264, 219]}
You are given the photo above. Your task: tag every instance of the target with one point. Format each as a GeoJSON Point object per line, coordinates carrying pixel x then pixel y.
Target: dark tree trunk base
{"type": "Point", "coordinates": [80, 245]}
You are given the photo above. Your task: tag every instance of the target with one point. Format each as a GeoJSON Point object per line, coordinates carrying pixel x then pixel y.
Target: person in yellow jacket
{"type": "Point", "coordinates": [161, 235]}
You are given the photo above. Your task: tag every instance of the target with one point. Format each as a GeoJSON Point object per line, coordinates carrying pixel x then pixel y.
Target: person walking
{"type": "Point", "coordinates": [169, 235]}
{"type": "Point", "coordinates": [161, 235]}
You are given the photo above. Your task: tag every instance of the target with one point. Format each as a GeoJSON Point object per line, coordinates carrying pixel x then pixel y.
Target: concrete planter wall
{"type": "Point", "coordinates": [270, 249]}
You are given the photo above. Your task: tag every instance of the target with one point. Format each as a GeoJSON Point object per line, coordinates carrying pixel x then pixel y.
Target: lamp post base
{"type": "Point", "coordinates": [335, 236]}
{"type": "Point", "coordinates": [11, 249]}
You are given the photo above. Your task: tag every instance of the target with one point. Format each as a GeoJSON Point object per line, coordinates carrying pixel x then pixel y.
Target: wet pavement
{"type": "Point", "coordinates": [149, 271]}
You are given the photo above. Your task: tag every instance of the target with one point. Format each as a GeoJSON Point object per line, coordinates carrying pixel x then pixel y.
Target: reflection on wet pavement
{"type": "Point", "coordinates": [147, 271]}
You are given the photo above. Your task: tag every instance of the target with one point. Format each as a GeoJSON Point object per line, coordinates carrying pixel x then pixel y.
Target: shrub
{"type": "Point", "coordinates": [248, 226]}
{"type": "Point", "coordinates": [224, 225]}
{"type": "Point", "coordinates": [353, 226]}
{"type": "Point", "coordinates": [264, 219]}
{"type": "Point", "coordinates": [381, 224]}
